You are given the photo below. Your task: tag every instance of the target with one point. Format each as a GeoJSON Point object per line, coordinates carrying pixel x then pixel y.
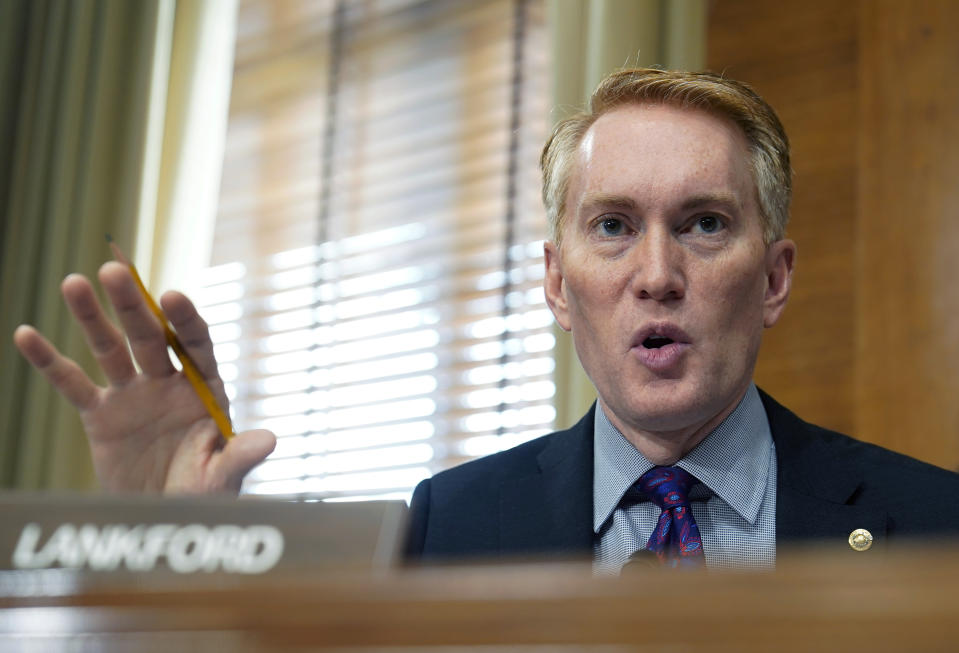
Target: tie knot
{"type": "Point", "coordinates": [668, 487]}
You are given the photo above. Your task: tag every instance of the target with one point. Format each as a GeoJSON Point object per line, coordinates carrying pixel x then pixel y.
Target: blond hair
{"type": "Point", "coordinates": [714, 94]}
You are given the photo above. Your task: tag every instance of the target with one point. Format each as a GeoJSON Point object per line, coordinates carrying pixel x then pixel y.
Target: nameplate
{"type": "Point", "coordinates": [102, 534]}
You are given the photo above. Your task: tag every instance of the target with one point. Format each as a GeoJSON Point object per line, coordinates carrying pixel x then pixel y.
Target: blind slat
{"type": "Point", "coordinates": [408, 340]}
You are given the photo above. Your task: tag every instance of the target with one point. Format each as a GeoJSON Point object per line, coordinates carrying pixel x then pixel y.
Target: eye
{"type": "Point", "coordinates": [709, 224]}
{"type": "Point", "coordinates": [611, 226]}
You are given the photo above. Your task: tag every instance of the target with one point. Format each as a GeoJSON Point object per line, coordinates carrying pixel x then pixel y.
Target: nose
{"type": "Point", "coordinates": [657, 267]}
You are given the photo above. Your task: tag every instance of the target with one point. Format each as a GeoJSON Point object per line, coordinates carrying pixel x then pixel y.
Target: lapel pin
{"type": "Point", "coordinates": [860, 539]}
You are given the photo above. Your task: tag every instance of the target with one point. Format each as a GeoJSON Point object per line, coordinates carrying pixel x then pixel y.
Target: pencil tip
{"type": "Point", "coordinates": [109, 238]}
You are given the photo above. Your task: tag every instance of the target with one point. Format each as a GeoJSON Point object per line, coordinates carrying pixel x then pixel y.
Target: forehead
{"type": "Point", "coordinates": [659, 156]}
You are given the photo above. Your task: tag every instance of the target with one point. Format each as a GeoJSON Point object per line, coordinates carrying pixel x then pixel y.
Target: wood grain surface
{"type": "Point", "coordinates": [869, 344]}
{"type": "Point", "coordinates": [856, 601]}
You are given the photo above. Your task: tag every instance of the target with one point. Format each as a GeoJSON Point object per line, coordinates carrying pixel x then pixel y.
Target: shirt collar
{"type": "Point", "coordinates": [732, 461]}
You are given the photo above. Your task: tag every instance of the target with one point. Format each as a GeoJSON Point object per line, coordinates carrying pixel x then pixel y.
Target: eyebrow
{"type": "Point", "coordinates": [712, 199]}
{"type": "Point", "coordinates": [608, 200]}
{"type": "Point", "coordinates": [626, 203]}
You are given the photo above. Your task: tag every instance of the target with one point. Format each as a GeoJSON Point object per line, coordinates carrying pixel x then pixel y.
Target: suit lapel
{"type": "Point", "coordinates": [803, 517]}
{"type": "Point", "coordinates": [551, 508]}
{"type": "Point", "coordinates": [815, 495]}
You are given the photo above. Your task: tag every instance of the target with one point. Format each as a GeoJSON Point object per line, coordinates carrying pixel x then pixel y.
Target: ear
{"type": "Point", "coordinates": [779, 278]}
{"type": "Point", "coordinates": [555, 285]}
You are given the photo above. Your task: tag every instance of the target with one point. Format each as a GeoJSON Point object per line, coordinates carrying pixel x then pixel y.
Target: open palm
{"type": "Point", "coordinates": [148, 430]}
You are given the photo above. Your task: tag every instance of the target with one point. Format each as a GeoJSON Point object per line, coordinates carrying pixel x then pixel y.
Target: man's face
{"type": "Point", "coordinates": [662, 274]}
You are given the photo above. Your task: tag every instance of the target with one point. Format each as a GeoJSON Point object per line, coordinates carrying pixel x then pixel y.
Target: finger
{"type": "Point", "coordinates": [143, 330]}
{"type": "Point", "coordinates": [104, 339]}
{"type": "Point", "coordinates": [62, 373]}
{"type": "Point", "coordinates": [193, 332]}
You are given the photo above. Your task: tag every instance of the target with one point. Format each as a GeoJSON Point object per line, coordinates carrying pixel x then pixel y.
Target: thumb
{"type": "Point", "coordinates": [242, 453]}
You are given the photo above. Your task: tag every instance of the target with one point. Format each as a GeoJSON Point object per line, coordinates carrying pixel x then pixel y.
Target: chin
{"type": "Point", "coordinates": [673, 418]}
{"type": "Point", "coordinates": [671, 406]}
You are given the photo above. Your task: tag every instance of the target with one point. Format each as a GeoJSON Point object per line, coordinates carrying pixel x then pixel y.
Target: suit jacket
{"type": "Point", "coordinates": [537, 498]}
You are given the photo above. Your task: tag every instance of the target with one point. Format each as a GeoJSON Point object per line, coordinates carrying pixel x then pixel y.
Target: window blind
{"type": "Point", "coordinates": [374, 292]}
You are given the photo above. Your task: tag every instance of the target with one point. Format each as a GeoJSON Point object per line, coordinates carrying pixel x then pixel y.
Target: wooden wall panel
{"type": "Point", "coordinates": [801, 56]}
{"type": "Point", "coordinates": [908, 228]}
{"type": "Point", "coordinates": [870, 342]}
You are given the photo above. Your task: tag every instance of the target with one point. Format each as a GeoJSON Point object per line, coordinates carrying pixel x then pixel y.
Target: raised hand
{"type": "Point", "coordinates": [148, 430]}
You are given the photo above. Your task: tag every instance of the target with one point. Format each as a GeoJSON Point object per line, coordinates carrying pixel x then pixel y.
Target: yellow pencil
{"type": "Point", "coordinates": [189, 367]}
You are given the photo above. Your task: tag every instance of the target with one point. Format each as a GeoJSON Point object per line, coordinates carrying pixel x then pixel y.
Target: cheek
{"type": "Point", "coordinates": [593, 293]}
{"type": "Point", "coordinates": [737, 296]}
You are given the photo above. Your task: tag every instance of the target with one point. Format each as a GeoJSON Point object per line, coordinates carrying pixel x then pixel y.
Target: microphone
{"type": "Point", "coordinates": [643, 559]}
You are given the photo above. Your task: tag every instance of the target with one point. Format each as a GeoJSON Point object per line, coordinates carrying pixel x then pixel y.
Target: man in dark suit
{"type": "Point", "coordinates": [536, 499]}
{"type": "Point", "coordinates": [667, 258]}
{"type": "Point", "coordinates": [668, 203]}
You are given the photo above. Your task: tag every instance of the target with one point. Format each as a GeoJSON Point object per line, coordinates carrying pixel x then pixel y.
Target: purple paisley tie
{"type": "Point", "coordinates": [676, 541]}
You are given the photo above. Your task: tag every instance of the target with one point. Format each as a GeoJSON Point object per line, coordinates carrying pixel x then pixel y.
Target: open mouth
{"type": "Point", "coordinates": [655, 342]}
{"type": "Point", "coordinates": [661, 347]}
